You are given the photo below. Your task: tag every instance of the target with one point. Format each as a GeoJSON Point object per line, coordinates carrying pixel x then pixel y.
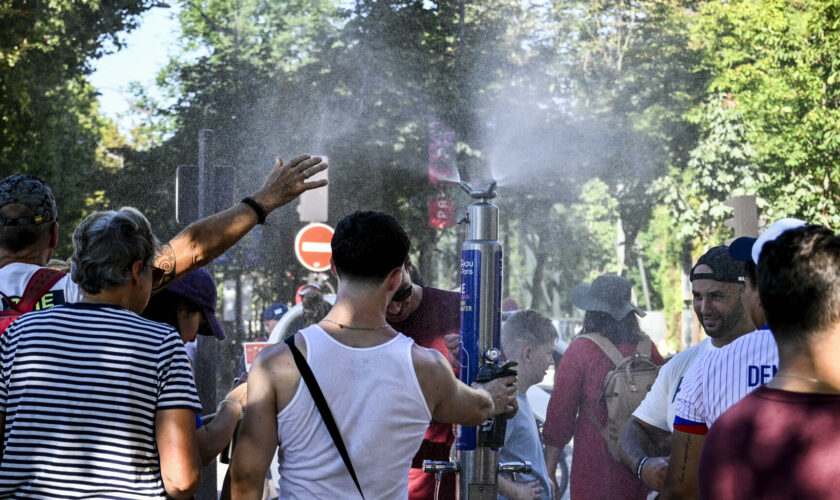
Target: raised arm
{"type": "Point", "coordinates": [452, 401]}
{"type": "Point", "coordinates": [204, 240]}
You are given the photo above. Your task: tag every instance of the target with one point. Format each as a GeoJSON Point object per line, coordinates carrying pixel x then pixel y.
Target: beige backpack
{"type": "Point", "coordinates": [624, 387]}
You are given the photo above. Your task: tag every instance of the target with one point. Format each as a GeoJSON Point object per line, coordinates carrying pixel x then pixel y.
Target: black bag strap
{"type": "Point", "coordinates": [321, 403]}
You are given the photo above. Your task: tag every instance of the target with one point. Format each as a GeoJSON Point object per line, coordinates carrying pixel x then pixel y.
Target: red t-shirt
{"type": "Point", "coordinates": [579, 380]}
{"type": "Point", "coordinates": [774, 444]}
{"type": "Point", "coordinates": [438, 315]}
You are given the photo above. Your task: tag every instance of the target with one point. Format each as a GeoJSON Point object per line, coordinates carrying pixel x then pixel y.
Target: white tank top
{"type": "Point", "coordinates": [379, 408]}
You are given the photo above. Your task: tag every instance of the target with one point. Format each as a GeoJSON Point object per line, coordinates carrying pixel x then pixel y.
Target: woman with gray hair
{"type": "Point", "coordinates": [106, 245]}
{"type": "Point", "coordinates": [93, 387]}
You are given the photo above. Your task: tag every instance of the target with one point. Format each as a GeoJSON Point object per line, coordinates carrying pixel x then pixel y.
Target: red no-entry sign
{"type": "Point", "coordinates": [312, 246]}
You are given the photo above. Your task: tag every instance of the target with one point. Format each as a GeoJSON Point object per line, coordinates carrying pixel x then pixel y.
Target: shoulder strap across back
{"type": "Point", "coordinates": [606, 345]}
{"type": "Point", "coordinates": [323, 408]}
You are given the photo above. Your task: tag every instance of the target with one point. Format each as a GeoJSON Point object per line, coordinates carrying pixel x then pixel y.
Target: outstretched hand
{"type": "Point", "coordinates": [526, 491]}
{"type": "Point", "coordinates": [503, 393]}
{"type": "Point", "coordinates": [654, 471]}
{"type": "Point", "coordinates": [287, 181]}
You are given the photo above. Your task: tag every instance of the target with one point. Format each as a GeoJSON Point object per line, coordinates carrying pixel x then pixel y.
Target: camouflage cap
{"type": "Point", "coordinates": [30, 192]}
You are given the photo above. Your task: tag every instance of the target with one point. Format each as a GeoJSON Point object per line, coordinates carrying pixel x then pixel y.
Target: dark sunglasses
{"type": "Point", "coordinates": [402, 294]}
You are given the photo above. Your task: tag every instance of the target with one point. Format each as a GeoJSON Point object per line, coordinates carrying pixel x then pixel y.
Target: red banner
{"type": "Point", "coordinates": [441, 213]}
{"type": "Point", "coordinates": [442, 163]}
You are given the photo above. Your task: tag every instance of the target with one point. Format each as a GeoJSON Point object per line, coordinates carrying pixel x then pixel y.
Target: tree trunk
{"type": "Point", "coordinates": [537, 294]}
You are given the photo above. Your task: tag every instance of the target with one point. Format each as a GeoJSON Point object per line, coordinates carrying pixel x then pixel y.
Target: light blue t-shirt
{"type": "Point", "coordinates": [522, 443]}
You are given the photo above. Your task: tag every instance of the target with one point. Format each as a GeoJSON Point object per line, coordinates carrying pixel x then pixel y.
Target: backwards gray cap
{"type": "Point", "coordinates": [31, 192]}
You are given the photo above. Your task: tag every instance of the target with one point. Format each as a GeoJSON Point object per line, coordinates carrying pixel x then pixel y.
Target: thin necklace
{"type": "Point", "coordinates": [350, 327]}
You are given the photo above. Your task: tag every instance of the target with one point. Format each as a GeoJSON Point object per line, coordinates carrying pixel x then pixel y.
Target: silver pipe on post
{"type": "Point", "coordinates": [481, 291]}
{"type": "Point", "coordinates": [477, 455]}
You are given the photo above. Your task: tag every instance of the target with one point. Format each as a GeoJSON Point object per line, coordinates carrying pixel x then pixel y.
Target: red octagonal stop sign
{"type": "Point", "coordinates": [312, 246]}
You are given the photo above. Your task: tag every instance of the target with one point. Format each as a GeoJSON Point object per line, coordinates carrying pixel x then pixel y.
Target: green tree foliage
{"type": "Point", "coordinates": [722, 165]}
{"type": "Point", "coordinates": [48, 118]}
{"type": "Point", "coordinates": [779, 61]}
{"type": "Point", "coordinates": [631, 73]}
{"type": "Point", "coordinates": [642, 115]}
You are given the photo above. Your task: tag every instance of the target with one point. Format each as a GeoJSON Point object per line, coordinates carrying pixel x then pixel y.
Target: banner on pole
{"type": "Point", "coordinates": [441, 213]}
{"type": "Point", "coordinates": [442, 163]}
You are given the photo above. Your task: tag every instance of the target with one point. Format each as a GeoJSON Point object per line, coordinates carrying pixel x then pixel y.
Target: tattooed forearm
{"type": "Point", "coordinates": [164, 260]}
{"type": "Point", "coordinates": [685, 460]}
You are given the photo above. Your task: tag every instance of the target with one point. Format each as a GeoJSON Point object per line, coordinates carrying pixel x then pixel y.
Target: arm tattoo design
{"type": "Point", "coordinates": [685, 459]}
{"type": "Point", "coordinates": [165, 260]}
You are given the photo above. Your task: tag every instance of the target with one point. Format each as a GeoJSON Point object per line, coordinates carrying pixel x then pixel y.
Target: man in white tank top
{"type": "Point", "coordinates": [382, 389]}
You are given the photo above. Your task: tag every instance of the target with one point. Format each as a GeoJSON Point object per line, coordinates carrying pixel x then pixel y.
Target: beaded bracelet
{"type": "Point", "coordinates": [231, 402]}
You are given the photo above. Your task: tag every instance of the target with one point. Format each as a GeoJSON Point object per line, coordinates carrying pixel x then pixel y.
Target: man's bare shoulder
{"type": "Point", "coordinates": [428, 359]}
{"type": "Point", "coordinates": [276, 366]}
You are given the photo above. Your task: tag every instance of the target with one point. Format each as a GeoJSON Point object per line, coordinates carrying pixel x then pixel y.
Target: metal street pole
{"type": "Point", "coordinates": [205, 365]}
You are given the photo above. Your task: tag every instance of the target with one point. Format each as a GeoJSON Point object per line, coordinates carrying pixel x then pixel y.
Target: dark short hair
{"type": "Point", "coordinates": [623, 331]}
{"type": "Point", "coordinates": [416, 276]}
{"type": "Point", "coordinates": [367, 246]}
{"type": "Point", "coordinates": [799, 282]}
{"type": "Point", "coordinates": [751, 272]}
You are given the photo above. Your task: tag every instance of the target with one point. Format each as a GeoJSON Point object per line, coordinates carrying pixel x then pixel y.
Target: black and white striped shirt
{"type": "Point", "coordinates": [79, 386]}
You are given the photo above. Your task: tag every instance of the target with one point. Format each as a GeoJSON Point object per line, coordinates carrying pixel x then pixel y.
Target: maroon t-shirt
{"type": "Point", "coordinates": [438, 314]}
{"type": "Point", "coordinates": [774, 444]}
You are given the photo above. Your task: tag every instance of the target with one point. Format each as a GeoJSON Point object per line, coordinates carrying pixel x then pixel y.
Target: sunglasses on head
{"type": "Point", "coordinates": [402, 294]}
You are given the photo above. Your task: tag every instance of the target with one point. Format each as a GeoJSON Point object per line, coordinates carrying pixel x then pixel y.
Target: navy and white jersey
{"type": "Point", "coordinates": [79, 386]}
{"type": "Point", "coordinates": [723, 377]}
{"type": "Point", "coordinates": [660, 405]}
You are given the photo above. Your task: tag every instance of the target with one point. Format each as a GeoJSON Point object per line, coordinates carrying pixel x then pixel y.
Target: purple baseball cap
{"type": "Point", "coordinates": [200, 287]}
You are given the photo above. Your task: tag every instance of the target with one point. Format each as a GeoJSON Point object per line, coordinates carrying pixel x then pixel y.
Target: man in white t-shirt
{"type": "Point", "coordinates": [724, 376]}
{"type": "Point", "coordinates": [717, 282]}
{"type": "Point", "coordinates": [29, 229]}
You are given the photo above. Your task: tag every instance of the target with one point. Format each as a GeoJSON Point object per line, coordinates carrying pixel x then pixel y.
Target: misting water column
{"type": "Point", "coordinates": [477, 456]}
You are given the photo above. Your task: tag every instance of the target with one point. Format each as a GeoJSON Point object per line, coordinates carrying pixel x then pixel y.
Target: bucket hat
{"type": "Point", "coordinates": [609, 293]}
{"type": "Point", "coordinates": [200, 287]}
